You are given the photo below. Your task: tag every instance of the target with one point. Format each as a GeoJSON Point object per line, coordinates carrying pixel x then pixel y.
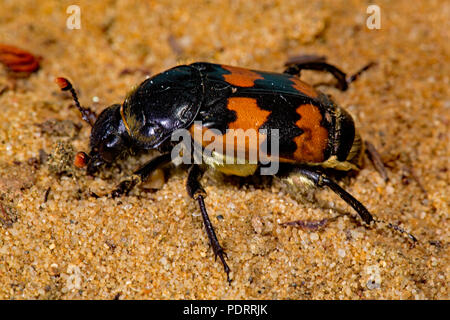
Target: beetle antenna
{"type": "Point", "coordinates": [87, 114]}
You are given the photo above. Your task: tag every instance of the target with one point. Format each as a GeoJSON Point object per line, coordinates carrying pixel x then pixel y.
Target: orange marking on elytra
{"type": "Point", "coordinates": [304, 87]}
{"type": "Point", "coordinates": [241, 77]}
{"type": "Point", "coordinates": [311, 144]}
{"type": "Point", "coordinates": [248, 116]}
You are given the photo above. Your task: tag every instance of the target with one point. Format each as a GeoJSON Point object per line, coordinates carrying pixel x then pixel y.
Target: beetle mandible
{"type": "Point", "coordinates": [314, 132]}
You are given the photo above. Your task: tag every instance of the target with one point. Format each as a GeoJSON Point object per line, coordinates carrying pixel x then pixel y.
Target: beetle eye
{"type": "Point", "coordinates": [111, 141]}
{"type": "Point", "coordinates": [110, 148]}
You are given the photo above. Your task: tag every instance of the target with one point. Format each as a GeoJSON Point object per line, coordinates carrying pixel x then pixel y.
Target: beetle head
{"type": "Point", "coordinates": [109, 138]}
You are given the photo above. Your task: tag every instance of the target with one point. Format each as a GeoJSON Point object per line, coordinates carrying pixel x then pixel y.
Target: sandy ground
{"type": "Point", "coordinates": [64, 244]}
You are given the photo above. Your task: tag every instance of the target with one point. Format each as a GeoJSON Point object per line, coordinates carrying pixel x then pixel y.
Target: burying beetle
{"type": "Point", "coordinates": [314, 132]}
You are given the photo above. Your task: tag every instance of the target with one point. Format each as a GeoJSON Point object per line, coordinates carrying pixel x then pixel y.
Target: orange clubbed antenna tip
{"type": "Point", "coordinates": [81, 159]}
{"type": "Point", "coordinates": [63, 83]}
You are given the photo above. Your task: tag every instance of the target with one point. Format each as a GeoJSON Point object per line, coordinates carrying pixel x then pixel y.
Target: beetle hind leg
{"type": "Point", "coordinates": [196, 192]}
{"type": "Point", "coordinates": [318, 63]}
{"type": "Point", "coordinates": [320, 179]}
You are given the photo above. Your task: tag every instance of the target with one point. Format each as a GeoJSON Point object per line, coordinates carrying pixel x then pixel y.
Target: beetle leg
{"type": "Point", "coordinates": [310, 62]}
{"type": "Point", "coordinates": [320, 179]}
{"type": "Point", "coordinates": [140, 175]}
{"type": "Point", "coordinates": [374, 156]}
{"type": "Point", "coordinates": [196, 192]}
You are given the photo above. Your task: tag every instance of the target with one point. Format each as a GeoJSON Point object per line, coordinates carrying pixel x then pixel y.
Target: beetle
{"type": "Point", "coordinates": [314, 132]}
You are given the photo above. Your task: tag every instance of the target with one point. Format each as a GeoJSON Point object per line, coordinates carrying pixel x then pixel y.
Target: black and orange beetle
{"type": "Point", "coordinates": [314, 132]}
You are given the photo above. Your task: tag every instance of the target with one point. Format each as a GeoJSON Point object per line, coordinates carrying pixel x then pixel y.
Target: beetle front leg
{"type": "Point", "coordinates": [140, 175]}
{"type": "Point", "coordinates": [312, 62]}
{"type": "Point", "coordinates": [196, 192]}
